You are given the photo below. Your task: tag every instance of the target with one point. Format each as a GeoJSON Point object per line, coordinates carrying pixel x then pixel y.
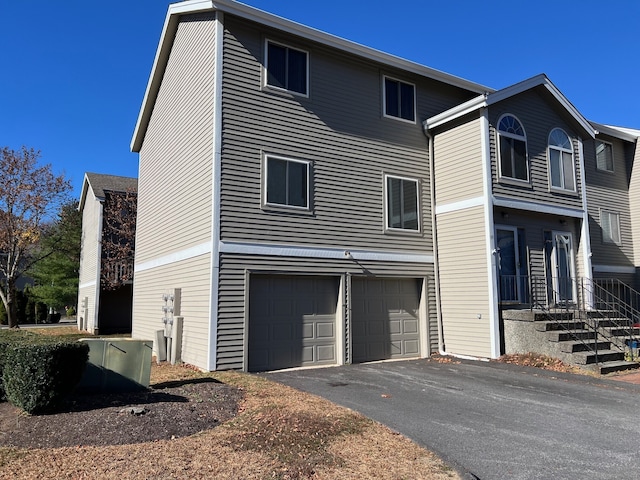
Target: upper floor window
{"type": "Point", "coordinates": [512, 148]}
{"type": "Point", "coordinates": [610, 224]}
{"type": "Point", "coordinates": [399, 99]}
{"type": "Point", "coordinates": [604, 156]}
{"type": "Point", "coordinates": [286, 182]}
{"type": "Point", "coordinates": [402, 203]}
{"type": "Point", "coordinates": [561, 164]}
{"type": "Point", "coordinates": [287, 68]}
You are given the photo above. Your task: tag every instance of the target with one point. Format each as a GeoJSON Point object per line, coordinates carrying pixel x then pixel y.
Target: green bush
{"type": "Point", "coordinates": [39, 372]}
{"type": "Point", "coordinates": [8, 338]}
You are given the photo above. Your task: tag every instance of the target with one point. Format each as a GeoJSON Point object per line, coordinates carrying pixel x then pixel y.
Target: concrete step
{"type": "Point", "coordinates": [552, 326]}
{"type": "Point", "coordinates": [604, 356]}
{"type": "Point", "coordinates": [546, 316]}
{"type": "Point", "coordinates": [610, 367]}
{"type": "Point", "coordinates": [622, 332]}
{"type": "Point", "coordinates": [564, 335]}
{"type": "Point", "coordinates": [573, 346]}
{"type": "Point", "coordinates": [610, 322]}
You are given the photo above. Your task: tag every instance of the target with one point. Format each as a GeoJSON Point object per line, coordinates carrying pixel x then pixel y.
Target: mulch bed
{"type": "Point", "coordinates": [166, 411]}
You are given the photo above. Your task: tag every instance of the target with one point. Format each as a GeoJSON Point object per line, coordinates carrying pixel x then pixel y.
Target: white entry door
{"type": "Point", "coordinates": [563, 268]}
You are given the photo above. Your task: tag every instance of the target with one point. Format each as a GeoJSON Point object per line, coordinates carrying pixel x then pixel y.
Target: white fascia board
{"type": "Point", "coordinates": [537, 207]}
{"type": "Point", "coordinates": [542, 80]}
{"type": "Point", "coordinates": [617, 132]}
{"type": "Point", "coordinates": [83, 193]}
{"type": "Point", "coordinates": [270, 20]}
{"type": "Point", "coordinates": [456, 112]}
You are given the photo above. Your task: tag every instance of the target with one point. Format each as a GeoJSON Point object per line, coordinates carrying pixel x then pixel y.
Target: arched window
{"type": "Point", "coordinates": [512, 147]}
{"type": "Point", "coordinates": [561, 164]}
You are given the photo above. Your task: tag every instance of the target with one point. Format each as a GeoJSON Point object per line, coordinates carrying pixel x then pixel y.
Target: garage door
{"type": "Point", "coordinates": [292, 321]}
{"type": "Point", "coordinates": [384, 318]}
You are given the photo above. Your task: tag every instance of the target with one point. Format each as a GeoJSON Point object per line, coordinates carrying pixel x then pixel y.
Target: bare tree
{"type": "Point", "coordinates": [118, 238]}
{"type": "Point", "coordinates": [30, 195]}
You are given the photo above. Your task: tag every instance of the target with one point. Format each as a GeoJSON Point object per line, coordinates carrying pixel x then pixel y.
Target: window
{"type": "Point", "coordinates": [399, 99]}
{"type": "Point", "coordinates": [610, 224]}
{"type": "Point", "coordinates": [561, 164]}
{"type": "Point", "coordinates": [512, 144]}
{"type": "Point", "coordinates": [287, 182]}
{"type": "Point", "coordinates": [287, 68]}
{"type": "Point", "coordinates": [604, 156]}
{"type": "Point", "coordinates": [402, 203]}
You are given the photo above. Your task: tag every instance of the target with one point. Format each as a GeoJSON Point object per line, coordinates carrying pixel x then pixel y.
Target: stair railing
{"type": "Point", "coordinates": [546, 299]}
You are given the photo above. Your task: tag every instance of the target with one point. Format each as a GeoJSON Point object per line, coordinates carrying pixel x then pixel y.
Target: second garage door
{"type": "Point", "coordinates": [292, 321]}
{"type": "Point", "coordinates": [385, 318]}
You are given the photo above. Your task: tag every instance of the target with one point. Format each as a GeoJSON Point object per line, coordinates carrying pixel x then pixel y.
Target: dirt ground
{"type": "Point", "coordinates": [194, 425]}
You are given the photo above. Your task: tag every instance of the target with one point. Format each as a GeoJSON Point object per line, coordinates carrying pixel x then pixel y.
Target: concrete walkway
{"type": "Point", "coordinates": [493, 420]}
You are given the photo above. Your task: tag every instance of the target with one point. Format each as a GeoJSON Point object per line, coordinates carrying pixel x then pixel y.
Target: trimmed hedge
{"type": "Point", "coordinates": [8, 338]}
{"type": "Point", "coordinates": [38, 372]}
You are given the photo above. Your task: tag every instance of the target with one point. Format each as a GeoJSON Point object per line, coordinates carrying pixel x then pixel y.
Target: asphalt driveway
{"type": "Point", "coordinates": [492, 420]}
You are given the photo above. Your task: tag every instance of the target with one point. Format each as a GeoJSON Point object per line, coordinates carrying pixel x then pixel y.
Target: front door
{"type": "Point", "coordinates": [508, 264]}
{"type": "Point", "coordinates": [563, 268]}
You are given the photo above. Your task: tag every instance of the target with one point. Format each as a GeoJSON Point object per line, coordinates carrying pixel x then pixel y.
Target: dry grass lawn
{"type": "Point", "coordinates": [279, 433]}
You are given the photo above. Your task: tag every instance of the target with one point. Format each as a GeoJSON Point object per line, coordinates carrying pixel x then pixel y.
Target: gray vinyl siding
{"type": "Point", "coordinates": [339, 128]}
{"type": "Point", "coordinates": [464, 282]}
{"type": "Point", "coordinates": [174, 195]}
{"type": "Point", "coordinates": [458, 163]}
{"type": "Point", "coordinates": [610, 190]}
{"type": "Point", "coordinates": [193, 277]}
{"type": "Point", "coordinates": [538, 119]}
{"type": "Point", "coordinates": [233, 285]}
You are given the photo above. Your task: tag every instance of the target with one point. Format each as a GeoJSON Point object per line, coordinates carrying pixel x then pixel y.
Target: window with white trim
{"type": "Point", "coordinates": [610, 224]}
{"type": "Point", "coordinates": [402, 203]}
{"type": "Point", "coordinates": [512, 149]}
{"type": "Point", "coordinates": [604, 156]}
{"type": "Point", "coordinates": [286, 182]}
{"type": "Point", "coordinates": [287, 68]}
{"type": "Point", "coordinates": [399, 99]}
{"type": "Point", "coordinates": [561, 163]}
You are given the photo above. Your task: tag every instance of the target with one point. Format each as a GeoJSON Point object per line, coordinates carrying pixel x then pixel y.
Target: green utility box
{"type": "Point", "coordinates": [117, 365]}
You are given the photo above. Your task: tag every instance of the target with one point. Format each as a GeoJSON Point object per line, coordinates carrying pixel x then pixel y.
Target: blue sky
{"type": "Point", "coordinates": [73, 73]}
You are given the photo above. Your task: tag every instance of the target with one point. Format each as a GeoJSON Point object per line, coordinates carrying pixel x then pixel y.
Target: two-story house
{"type": "Point", "coordinates": [105, 287]}
{"type": "Point", "coordinates": [316, 201]}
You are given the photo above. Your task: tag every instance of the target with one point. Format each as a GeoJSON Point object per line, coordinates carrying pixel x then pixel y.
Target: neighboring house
{"type": "Point", "coordinates": [285, 188]}
{"type": "Point", "coordinates": [105, 287]}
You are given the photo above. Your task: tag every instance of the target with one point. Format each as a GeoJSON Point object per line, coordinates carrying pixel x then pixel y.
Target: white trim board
{"type": "Point", "coordinates": [174, 257]}
{"type": "Point", "coordinates": [328, 253]}
{"type": "Point", "coordinates": [460, 205]}
{"type": "Point", "coordinates": [92, 283]}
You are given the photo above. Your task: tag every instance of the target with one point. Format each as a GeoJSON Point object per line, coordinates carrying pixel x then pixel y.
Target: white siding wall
{"type": "Point", "coordinates": [175, 192]}
{"type": "Point", "coordinates": [89, 261]}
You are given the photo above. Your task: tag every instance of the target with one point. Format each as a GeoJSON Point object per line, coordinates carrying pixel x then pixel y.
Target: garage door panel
{"type": "Point", "coordinates": [291, 321]}
{"type": "Point", "coordinates": [384, 323]}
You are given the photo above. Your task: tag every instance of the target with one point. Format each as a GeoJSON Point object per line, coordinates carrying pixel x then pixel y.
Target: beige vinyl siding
{"type": "Point", "coordinates": [174, 195]}
{"type": "Point", "coordinates": [634, 199]}
{"type": "Point", "coordinates": [538, 118]}
{"type": "Point", "coordinates": [89, 260]}
{"type": "Point", "coordinates": [458, 163]}
{"type": "Point", "coordinates": [193, 277]}
{"type": "Point", "coordinates": [610, 191]}
{"type": "Point", "coordinates": [464, 282]}
{"type": "Point", "coordinates": [339, 128]}
{"type": "Point", "coordinates": [232, 306]}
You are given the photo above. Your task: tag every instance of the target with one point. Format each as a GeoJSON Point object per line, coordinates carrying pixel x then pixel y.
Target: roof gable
{"type": "Point", "coordinates": [100, 182]}
{"type": "Point", "coordinates": [508, 92]}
